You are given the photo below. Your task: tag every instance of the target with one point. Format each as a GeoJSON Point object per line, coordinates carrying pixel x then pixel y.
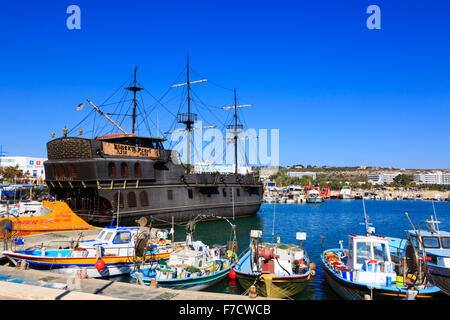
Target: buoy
{"type": "Point", "coordinates": [252, 293]}
{"type": "Point", "coordinates": [100, 265]}
{"type": "Point", "coordinates": [153, 283]}
{"type": "Point", "coordinates": [232, 274]}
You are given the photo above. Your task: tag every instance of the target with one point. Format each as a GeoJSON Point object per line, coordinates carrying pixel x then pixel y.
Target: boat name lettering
{"type": "Point", "coordinates": [117, 149]}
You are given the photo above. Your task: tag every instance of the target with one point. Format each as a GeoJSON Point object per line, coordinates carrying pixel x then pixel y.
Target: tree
{"type": "Point", "coordinates": [9, 173]}
{"type": "Point", "coordinates": [403, 180]}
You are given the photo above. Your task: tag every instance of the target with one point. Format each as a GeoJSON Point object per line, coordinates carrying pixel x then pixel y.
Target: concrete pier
{"type": "Point", "coordinates": [44, 285]}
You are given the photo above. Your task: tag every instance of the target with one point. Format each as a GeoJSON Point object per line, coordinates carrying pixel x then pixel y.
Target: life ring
{"type": "Point", "coordinates": [372, 261]}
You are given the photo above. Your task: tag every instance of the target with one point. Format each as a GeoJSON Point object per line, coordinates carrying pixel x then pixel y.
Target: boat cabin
{"type": "Point", "coordinates": [196, 255]}
{"type": "Point", "coordinates": [436, 245]}
{"type": "Point", "coordinates": [369, 256]}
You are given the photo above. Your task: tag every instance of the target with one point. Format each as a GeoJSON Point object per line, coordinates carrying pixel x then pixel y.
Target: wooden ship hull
{"type": "Point", "coordinates": [91, 175]}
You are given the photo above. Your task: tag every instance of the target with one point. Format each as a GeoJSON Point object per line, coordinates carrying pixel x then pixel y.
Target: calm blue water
{"type": "Point", "coordinates": [334, 219]}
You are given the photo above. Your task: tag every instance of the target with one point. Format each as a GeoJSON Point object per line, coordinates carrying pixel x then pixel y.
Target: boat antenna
{"type": "Point", "coordinates": [366, 219]}
{"type": "Point", "coordinates": [134, 88]}
{"type": "Point", "coordinates": [436, 222]}
{"type": "Point", "coordinates": [273, 222]}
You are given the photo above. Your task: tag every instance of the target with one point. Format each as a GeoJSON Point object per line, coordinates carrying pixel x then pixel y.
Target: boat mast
{"type": "Point", "coordinates": [188, 118]}
{"type": "Point", "coordinates": [134, 88]}
{"type": "Point", "coordinates": [236, 129]}
{"type": "Point", "coordinates": [103, 114]}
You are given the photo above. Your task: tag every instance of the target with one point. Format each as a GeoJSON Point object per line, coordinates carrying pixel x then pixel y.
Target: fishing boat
{"type": "Point", "coordinates": [346, 193]}
{"type": "Point", "coordinates": [270, 199]}
{"type": "Point", "coordinates": [431, 244]}
{"type": "Point", "coordinates": [313, 196]}
{"type": "Point", "coordinates": [276, 270]}
{"type": "Point", "coordinates": [192, 264]}
{"type": "Point", "coordinates": [113, 252]}
{"type": "Point", "coordinates": [365, 270]}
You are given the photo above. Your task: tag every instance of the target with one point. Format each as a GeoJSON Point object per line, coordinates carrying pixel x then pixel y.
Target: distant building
{"type": "Point", "coordinates": [297, 174]}
{"type": "Point", "coordinates": [265, 173]}
{"type": "Point", "coordinates": [382, 178]}
{"type": "Point", "coordinates": [30, 165]}
{"type": "Point", "coordinates": [432, 178]}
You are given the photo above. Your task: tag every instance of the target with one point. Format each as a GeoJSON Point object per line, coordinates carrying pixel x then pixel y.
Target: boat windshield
{"type": "Point", "coordinates": [362, 252]}
{"type": "Point", "coordinates": [380, 252]}
{"type": "Point", "coordinates": [445, 242]}
{"type": "Point", "coordinates": [430, 242]}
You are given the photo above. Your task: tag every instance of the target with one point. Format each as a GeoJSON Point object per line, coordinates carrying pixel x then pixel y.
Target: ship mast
{"type": "Point", "coordinates": [103, 114]}
{"type": "Point", "coordinates": [188, 118]}
{"type": "Point", "coordinates": [236, 129]}
{"type": "Point", "coordinates": [134, 88]}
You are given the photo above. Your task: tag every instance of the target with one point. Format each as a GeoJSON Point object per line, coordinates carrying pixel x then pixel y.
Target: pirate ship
{"type": "Point", "coordinates": [126, 176]}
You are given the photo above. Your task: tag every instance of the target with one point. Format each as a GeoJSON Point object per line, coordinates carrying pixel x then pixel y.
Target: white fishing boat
{"type": "Point", "coordinates": [365, 270]}
{"type": "Point", "coordinates": [346, 193]}
{"type": "Point", "coordinates": [313, 196]}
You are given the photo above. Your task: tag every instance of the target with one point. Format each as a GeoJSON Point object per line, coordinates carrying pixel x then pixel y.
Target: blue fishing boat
{"type": "Point", "coordinates": [192, 264]}
{"type": "Point", "coordinates": [432, 246]}
{"type": "Point", "coordinates": [276, 270]}
{"type": "Point", "coordinates": [115, 251]}
{"type": "Point", "coordinates": [366, 271]}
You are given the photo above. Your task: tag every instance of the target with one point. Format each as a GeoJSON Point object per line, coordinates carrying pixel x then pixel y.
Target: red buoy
{"type": "Point", "coordinates": [232, 274]}
{"type": "Point", "coordinates": [100, 265]}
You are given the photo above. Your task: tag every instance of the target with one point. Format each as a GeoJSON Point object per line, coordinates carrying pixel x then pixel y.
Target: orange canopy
{"type": "Point", "coordinates": [61, 218]}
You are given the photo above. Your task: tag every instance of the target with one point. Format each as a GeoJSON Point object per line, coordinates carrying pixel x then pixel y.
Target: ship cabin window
{"type": "Point", "coordinates": [108, 236]}
{"type": "Point", "coordinates": [120, 200]}
{"type": "Point", "coordinates": [131, 199]}
{"type": "Point", "coordinates": [224, 192]}
{"type": "Point", "coordinates": [445, 242]}
{"type": "Point", "coordinates": [190, 194]}
{"type": "Point", "coordinates": [54, 171]}
{"type": "Point", "coordinates": [430, 242]}
{"type": "Point", "coordinates": [169, 195]}
{"type": "Point", "coordinates": [144, 198]}
{"type": "Point", "coordinates": [122, 237]}
{"type": "Point", "coordinates": [137, 169]}
{"type": "Point", "coordinates": [124, 169]}
{"type": "Point", "coordinates": [62, 173]}
{"type": "Point", "coordinates": [238, 191]}
{"type": "Point", "coordinates": [112, 170]}
{"type": "Point", "coordinates": [72, 171]}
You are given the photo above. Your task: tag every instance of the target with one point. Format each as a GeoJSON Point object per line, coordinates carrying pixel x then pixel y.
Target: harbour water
{"type": "Point", "coordinates": [334, 219]}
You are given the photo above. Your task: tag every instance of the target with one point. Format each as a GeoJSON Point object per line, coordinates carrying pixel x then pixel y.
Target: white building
{"type": "Point", "coordinates": [31, 165]}
{"type": "Point", "coordinates": [297, 174]}
{"type": "Point", "coordinates": [382, 178]}
{"type": "Point", "coordinates": [206, 167]}
{"type": "Point", "coordinates": [432, 178]}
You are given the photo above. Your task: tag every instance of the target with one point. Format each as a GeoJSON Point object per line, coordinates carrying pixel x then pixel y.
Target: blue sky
{"type": "Point", "coordinates": [339, 93]}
